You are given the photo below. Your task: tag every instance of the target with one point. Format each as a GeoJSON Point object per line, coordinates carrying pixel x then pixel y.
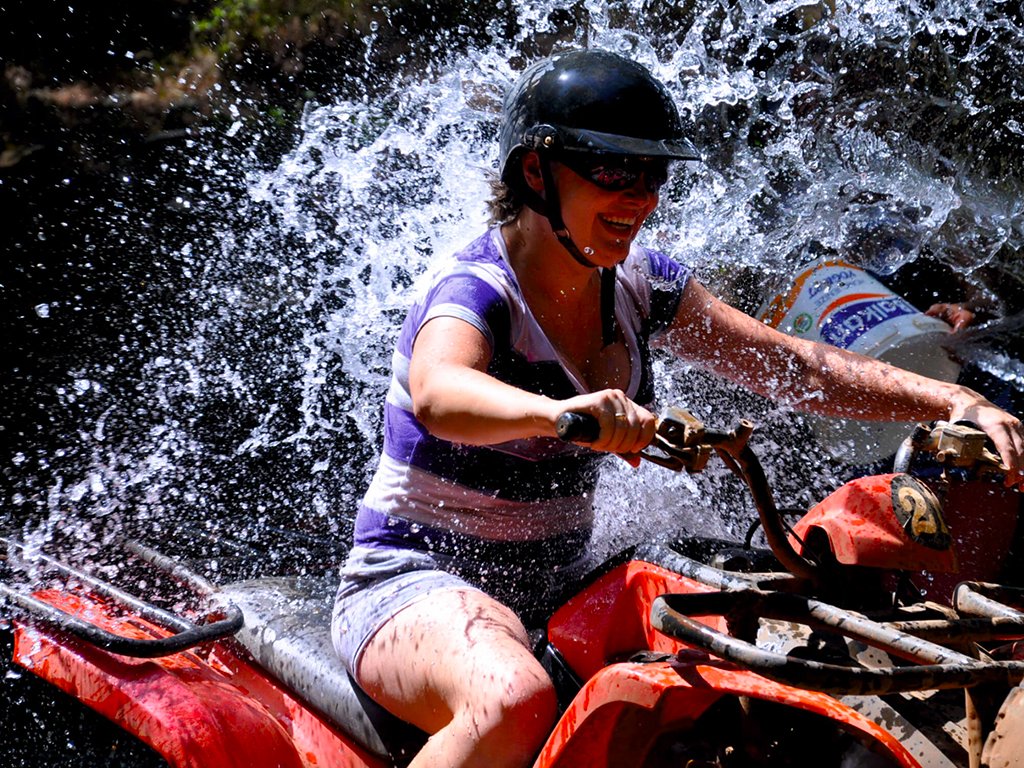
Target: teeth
{"type": "Point", "coordinates": [624, 222]}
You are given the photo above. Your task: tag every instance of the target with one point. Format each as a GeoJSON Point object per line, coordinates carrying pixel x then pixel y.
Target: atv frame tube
{"type": "Point", "coordinates": [185, 634]}
{"type": "Point", "coordinates": [937, 667]}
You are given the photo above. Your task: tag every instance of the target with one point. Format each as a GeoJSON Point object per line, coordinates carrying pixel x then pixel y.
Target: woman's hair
{"type": "Point", "coordinates": [504, 204]}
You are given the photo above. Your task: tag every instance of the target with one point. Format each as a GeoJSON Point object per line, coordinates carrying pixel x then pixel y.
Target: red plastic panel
{"type": "Point", "coordinates": [214, 712]}
{"type": "Point", "coordinates": [611, 617]}
{"type": "Point", "coordinates": [624, 709]}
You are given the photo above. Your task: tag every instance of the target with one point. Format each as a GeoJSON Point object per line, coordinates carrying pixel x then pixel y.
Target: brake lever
{"type": "Point", "coordinates": [688, 444]}
{"type": "Point", "coordinates": [690, 459]}
{"type": "Point", "coordinates": [674, 432]}
{"type": "Point", "coordinates": [957, 445]}
{"type": "Point", "coordinates": [682, 439]}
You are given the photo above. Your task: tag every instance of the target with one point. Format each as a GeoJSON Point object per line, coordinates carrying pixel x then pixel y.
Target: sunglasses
{"type": "Point", "coordinates": [615, 173]}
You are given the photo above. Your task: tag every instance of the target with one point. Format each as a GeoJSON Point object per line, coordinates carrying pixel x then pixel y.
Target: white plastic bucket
{"type": "Point", "coordinates": [835, 302]}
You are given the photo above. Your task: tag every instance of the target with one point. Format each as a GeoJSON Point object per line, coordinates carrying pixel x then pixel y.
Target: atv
{"type": "Point", "coordinates": [869, 631]}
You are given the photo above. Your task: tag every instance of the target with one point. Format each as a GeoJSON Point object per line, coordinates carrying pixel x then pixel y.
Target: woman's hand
{"type": "Point", "coordinates": [1005, 430]}
{"type": "Point", "coordinates": [956, 315]}
{"type": "Point", "coordinates": [626, 428]}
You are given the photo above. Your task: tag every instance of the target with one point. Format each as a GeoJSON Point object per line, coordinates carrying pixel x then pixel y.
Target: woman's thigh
{"type": "Point", "coordinates": [456, 649]}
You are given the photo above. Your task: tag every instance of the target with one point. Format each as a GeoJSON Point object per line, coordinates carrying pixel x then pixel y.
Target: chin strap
{"type": "Point", "coordinates": [553, 210]}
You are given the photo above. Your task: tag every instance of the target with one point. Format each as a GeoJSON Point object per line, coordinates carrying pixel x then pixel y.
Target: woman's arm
{"type": "Point", "coordinates": [824, 379]}
{"type": "Point", "coordinates": [456, 399]}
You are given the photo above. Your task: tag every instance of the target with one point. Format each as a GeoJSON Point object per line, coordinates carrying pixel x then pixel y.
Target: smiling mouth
{"type": "Point", "coordinates": [622, 223]}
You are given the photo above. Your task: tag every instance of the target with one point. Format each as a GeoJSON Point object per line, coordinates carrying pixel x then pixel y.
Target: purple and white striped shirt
{"type": "Point", "coordinates": [524, 489]}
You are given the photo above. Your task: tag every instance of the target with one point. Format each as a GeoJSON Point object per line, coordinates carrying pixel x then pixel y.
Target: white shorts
{"type": "Point", "coordinates": [377, 583]}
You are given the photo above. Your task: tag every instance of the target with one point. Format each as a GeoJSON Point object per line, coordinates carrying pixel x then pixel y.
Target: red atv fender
{"type": "Point", "coordinates": [896, 522]}
{"type": "Point", "coordinates": [627, 709]}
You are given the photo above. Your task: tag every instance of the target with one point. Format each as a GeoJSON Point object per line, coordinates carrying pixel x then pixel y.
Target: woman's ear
{"type": "Point", "coordinates": [532, 172]}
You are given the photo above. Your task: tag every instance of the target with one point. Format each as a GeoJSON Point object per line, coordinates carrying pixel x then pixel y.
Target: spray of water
{"type": "Point", "coordinates": [253, 417]}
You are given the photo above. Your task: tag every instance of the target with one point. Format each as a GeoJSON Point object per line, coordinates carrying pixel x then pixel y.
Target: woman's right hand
{"type": "Point", "coordinates": [626, 428]}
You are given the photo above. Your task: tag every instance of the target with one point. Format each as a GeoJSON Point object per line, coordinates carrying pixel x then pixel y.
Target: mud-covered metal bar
{"type": "Point", "coordinates": [185, 634]}
{"type": "Point", "coordinates": [125, 646]}
{"type": "Point", "coordinates": [978, 598]}
{"type": "Point", "coordinates": [798, 608]}
{"type": "Point", "coordinates": [949, 670]}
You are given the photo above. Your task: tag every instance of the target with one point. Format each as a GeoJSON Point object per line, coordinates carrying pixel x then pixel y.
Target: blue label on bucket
{"type": "Point", "coordinates": [847, 324]}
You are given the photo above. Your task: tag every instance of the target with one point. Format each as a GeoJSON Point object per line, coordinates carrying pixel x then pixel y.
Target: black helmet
{"type": "Point", "coordinates": [589, 101]}
{"type": "Point", "coordinates": [586, 101]}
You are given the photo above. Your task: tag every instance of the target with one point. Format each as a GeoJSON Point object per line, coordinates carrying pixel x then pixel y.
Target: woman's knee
{"type": "Point", "coordinates": [501, 685]}
{"type": "Point", "coordinates": [534, 711]}
{"type": "Point", "coordinates": [462, 650]}
{"type": "Point", "coordinates": [517, 701]}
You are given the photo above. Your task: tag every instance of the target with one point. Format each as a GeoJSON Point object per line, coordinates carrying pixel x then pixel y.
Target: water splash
{"type": "Point", "coordinates": [251, 418]}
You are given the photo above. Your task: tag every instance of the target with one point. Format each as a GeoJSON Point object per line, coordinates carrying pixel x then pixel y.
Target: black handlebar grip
{"type": "Point", "coordinates": [578, 427]}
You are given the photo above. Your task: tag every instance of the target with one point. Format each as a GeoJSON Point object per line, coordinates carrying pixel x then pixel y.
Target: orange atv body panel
{"type": "Point", "coordinates": [896, 523]}
{"type": "Point", "coordinates": [624, 707]}
{"type": "Point", "coordinates": [197, 711]}
{"type": "Point", "coordinates": [213, 707]}
{"type": "Point", "coordinates": [890, 522]}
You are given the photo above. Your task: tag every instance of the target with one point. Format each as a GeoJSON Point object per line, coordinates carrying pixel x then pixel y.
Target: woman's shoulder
{"type": "Point", "coordinates": [655, 283]}
{"type": "Point", "coordinates": [486, 248]}
{"type": "Point", "coordinates": [483, 257]}
{"type": "Point", "coordinates": [475, 276]}
{"type": "Point", "coordinates": [649, 265]}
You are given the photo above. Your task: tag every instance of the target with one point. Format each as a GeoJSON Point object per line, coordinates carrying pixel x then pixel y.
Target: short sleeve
{"type": "Point", "coordinates": [471, 298]}
{"type": "Point", "coordinates": [668, 281]}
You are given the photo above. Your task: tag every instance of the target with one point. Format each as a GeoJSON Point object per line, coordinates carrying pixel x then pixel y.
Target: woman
{"type": "Point", "coordinates": [477, 512]}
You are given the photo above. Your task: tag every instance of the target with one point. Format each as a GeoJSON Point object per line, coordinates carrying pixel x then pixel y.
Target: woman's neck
{"type": "Point", "coordinates": [546, 272]}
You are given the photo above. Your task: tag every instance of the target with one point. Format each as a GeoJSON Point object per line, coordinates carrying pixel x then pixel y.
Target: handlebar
{"type": "Point", "coordinates": [683, 442]}
{"type": "Point", "coordinates": [953, 444]}
{"type": "Point", "coordinates": [578, 427]}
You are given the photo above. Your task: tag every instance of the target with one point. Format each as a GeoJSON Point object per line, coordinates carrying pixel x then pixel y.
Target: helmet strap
{"type": "Point", "coordinates": [609, 328]}
{"type": "Point", "coordinates": [553, 211]}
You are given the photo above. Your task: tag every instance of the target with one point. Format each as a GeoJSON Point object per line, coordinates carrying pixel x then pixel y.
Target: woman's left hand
{"type": "Point", "coordinates": [1005, 430]}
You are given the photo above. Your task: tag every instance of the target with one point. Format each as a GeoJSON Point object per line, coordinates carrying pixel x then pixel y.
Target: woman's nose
{"type": "Point", "coordinates": [646, 185]}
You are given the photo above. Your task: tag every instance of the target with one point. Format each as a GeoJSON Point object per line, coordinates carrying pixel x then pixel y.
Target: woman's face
{"type": "Point", "coordinates": [604, 221]}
